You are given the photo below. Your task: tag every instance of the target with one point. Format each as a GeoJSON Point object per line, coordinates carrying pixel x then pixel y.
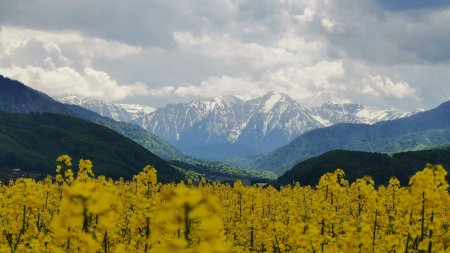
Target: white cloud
{"type": "Point", "coordinates": [14, 38]}
{"type": "Point", "coordinates": [164, 91]}
{"type": "Point", "coordinates": [226, 48]}
{"type": "Point", "coordinates": [60, 63]}
{"type": "Point", "coordinates": [328, 24]}
{"type": "Point", "coordinates": [314, 50]}
{"type": "Point", "coordinates": [221, 86]}
{"type": "Point", "coordinates": [289, 49]}
{"type": "Point", "coordinates": [378, 85]}
{"type": "Point", "coordinates": [311, 85]}
{"type": "Point", "coordinates": [67, 81]}
{"type": "Point", "coordinates": [307, 15]}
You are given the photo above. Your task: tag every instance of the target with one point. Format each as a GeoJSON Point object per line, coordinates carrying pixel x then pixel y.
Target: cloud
{"type": "Point", "coordinates": [61, 63]}
{"type": "Point", "coordinates": [67, 81]}
{"type": "Point", "coordinates": [383, 86]}
{"type": "Point", "coordinates": [70, 44]}
{"type": "Point", "coordinates": [311, 85]}
{"type": "Point", "coordinates": [288, 50]}
{"type": "Point", "coordinates": [328, 25]}
{"type": "Point", "coordinates": [378, 52]}
{"type": "Point", "coordinates": [404, 5]}
{"type": "Point", "coordinates": [221, 86]}
{"type": "Point", "coordinates": [372, 34]}
{"type": "Point", "coordinates": [140, 23]}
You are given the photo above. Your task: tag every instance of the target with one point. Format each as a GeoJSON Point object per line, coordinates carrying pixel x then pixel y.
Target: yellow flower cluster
{"type": "Point", "coordinates": [83, 213]}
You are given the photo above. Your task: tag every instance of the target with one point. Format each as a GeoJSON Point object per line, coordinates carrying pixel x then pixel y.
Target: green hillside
{"type": "Point", "coordinates": [422, 131]}
{"type": "Point", "coordinates": [357, 164]}
{"type": "Point", "coordinates": [31, 142]}
{"type": "Point", "coordinates": [18, 98]}
{"type": "Point", "coordinates": [223, 172]}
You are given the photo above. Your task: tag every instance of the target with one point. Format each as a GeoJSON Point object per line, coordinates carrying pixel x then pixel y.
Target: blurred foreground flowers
{"type": "Point", "coordinates": [78, 212]}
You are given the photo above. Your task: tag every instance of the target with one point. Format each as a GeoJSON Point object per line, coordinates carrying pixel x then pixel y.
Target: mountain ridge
{"type": "Point", "coordinates": [260, 124]}
{"type": "Point", "coordinates": [118, 112]}
{"type": "Point", "coordinates": [420, 131]}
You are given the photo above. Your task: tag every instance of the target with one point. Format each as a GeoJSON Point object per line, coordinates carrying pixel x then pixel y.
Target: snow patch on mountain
{"type": "Point", "coordinates": [322, 121]}
{"type": "Point", "coordinates": [136, 110]}
{"type": "Point", "coordinates": [271, 101]}
{"type": "Point", "coordinates": [118, 112]}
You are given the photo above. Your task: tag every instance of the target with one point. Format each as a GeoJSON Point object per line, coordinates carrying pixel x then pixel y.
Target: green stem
{"type": "Point", "coordinates": [422, 234]}
{"type": "Point", "coordinates": [106, 242]}
{"type": "Point", "coordinates": [187, 225]}
{"type": "Point", "coordinates": [430, 244]}
{"type": "Point", "coordinates": [406, 245]}
{"type": "Point", "coordinates": [85, 217]}
{"type": "Point", "coordinates": [22, 230]}
{"type": "Point", "coordinates": [374, 230]}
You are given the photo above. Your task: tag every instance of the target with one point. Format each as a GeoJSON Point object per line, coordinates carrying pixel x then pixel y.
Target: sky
{"type": "Point", "coordinates": [380, 53]}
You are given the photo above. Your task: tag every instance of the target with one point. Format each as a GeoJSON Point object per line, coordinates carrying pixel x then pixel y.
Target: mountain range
{"type": "Point", "coordinates": [224, 127]}
{"type": "Point", "coordinates": [421, 131]}
{"type": "Point", "coordinates": [17, 128]}
{"type": "Point", "coordinates": [17, 98]}
{"type": "Point", "coordinates": [274, 115]}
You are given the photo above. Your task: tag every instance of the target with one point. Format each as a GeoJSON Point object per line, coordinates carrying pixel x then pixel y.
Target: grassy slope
{"type": "Point", "coordinates": [33, 141]}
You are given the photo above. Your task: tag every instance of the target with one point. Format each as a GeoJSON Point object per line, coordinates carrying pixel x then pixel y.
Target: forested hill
{"type": "Point", "coordinates": [357, 164]}
{"type": "Point", "coordinates": [31, 142]}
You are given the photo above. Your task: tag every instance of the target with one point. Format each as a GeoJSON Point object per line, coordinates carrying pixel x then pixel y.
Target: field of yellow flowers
{"type": "Point", "coordinates": [77, 212]}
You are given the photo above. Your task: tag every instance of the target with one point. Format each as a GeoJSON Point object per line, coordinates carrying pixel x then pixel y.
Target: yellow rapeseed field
{"type": "Point", "coordinates": [77, 212]}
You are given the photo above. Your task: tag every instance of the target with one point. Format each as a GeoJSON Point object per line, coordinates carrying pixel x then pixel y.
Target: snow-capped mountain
{"type": "Point", "coordinates": [136, 111]}
{"type": "Point", "coordinates": [118, 112]}
{"type": "Point", "coordinates": [329, 114]}
{"type": "Point", "coordinates": [259, 124]}
{"type": "Point", "coordinates": [262, 123]}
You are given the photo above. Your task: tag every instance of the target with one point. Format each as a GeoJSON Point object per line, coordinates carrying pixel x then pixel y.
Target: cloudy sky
{"type": "Point", "coordinates": [381, 53]}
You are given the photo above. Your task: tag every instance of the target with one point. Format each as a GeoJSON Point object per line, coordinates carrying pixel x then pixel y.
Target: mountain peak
{"type": "Point", "coordinates": [232, 99]}
{"type": "Point", "coordinates": [19, 98]}
{"type": "Point", "coordinates": [137, 109]}
{"type": "Point", "coordinates": [270, 100]}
